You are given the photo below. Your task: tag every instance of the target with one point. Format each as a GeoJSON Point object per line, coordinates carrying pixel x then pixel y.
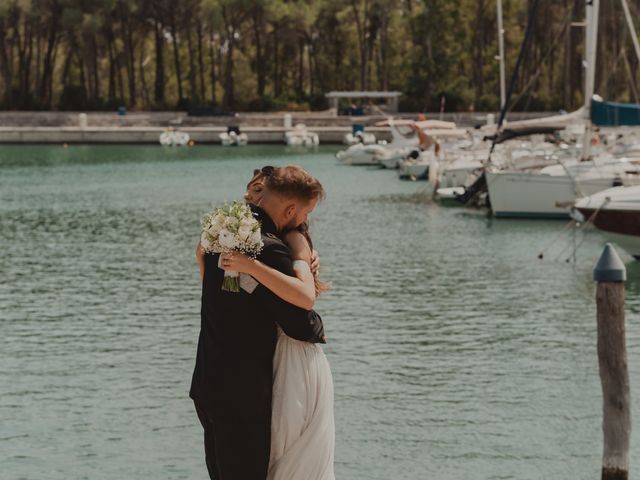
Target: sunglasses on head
{"type": "Point", "coordinates": [267, 170]}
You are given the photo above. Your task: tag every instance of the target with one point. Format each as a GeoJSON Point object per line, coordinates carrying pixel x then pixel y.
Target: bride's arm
{"type": "Point", "coordinates": [299, 290]}
{"type": "Point", "coordinates": [200, 259]}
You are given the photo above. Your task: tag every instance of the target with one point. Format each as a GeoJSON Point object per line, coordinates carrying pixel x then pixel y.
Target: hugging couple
{"type": "Point", "coordinates": [262, 386]}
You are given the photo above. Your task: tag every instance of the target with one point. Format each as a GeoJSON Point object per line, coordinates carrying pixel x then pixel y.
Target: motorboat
{"type": "Point", "coordinates": [359, 154]}
{"type": "Point", "coordinates": [426, 133]}
{"type": "Point", "coordinates": [383, 154]}
{"type": "Point", "coordinates": [301, 136]}
{"type": "Point", "coordinates": [174, 138]}
{"type": "Point", "coordinates": [415, 166]}
{"type": "Point", "coordinates": [233, 138]}
{"type": "Point", "coordinates": [404, 140]}
{"type": "Point", "coordinates": [360, 137]}
{"type": "Point", "coordinates": [616, 212]}
{"type": "Point", "coordinates": [449, 195]}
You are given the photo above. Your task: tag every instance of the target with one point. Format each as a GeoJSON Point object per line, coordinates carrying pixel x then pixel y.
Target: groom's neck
{"type": "Point", "coordinates": [271, 210]}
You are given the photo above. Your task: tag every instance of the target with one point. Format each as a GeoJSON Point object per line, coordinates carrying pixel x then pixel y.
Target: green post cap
{"type": "Point", "coordinates": [609, 268]}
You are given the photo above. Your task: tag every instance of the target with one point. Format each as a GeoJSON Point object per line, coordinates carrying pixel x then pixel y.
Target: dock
{"type": "Point", "coordinates": [146, 127]}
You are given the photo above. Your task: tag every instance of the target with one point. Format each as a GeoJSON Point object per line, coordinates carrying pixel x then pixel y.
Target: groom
{"type": "Point", "coordinates": [233, 376]}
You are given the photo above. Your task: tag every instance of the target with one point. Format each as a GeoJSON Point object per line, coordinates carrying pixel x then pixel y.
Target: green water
{"type": "Point", "coordinates": [456, 353]}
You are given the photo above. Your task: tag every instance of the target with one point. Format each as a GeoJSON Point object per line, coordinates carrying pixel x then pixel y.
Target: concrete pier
{"type": "Point", "coordinates": [327, 135]}
{"type": "Point", "coordinates": [146, 127]}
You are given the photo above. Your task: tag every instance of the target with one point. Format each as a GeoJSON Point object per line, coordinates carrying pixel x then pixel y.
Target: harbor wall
{"type": "Point", "coordinates": [146, 127]}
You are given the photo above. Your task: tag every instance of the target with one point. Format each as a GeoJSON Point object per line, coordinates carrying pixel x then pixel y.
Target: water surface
{"type": "Point", "coordinates": [456, 353]}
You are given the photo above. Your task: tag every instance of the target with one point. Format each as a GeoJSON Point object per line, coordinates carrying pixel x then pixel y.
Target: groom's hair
{"type": "Point", "coordinates": [293, 181]}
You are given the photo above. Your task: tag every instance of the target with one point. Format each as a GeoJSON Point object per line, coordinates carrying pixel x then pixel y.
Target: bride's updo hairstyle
{"type": "Point", "coordinates": [293, 181]}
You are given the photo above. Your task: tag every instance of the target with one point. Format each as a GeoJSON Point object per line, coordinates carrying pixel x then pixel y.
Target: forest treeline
{"type": "Point", "coordinates": [277, 54]}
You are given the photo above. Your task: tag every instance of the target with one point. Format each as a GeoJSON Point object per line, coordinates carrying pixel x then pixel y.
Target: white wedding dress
{"type": "Point", "coordinates": [302, 424]}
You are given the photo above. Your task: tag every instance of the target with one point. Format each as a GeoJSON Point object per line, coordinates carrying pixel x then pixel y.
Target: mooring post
{"type": "Point", "coordinates": [610, 274]}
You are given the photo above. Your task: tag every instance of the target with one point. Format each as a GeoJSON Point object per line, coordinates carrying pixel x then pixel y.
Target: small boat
{"type": "Point", "coordinates": [359, 137]}
{"type": "Point", "coordinates": [174, 138]}
{"type": "Point", "coordinates": [449, 195]}
{"type": "Point", "coordinates": [405, 140]}
{"type": "Point", "coordinates": [616, 212]}
{"type": "Point", "coordinates": [359, 154]}
{"type": "Point", "coordinates": [426, 134]}
{"type": "Point", "coordinates": [300, 136]}
{"type": "Point", "coordinates": [233, 138]}
{"type": "Point", "coordinates": [415, 166]}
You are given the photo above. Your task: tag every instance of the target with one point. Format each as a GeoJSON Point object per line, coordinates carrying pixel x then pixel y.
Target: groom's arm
{"type": "Point", "coordinates": [305, 325]}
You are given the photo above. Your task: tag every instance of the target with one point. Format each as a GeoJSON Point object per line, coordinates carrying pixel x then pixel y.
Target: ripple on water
{"type": "Point", "coordinates": [456, 353]}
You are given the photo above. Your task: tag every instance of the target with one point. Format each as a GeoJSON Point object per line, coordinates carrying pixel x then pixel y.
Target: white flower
{"type": "Point", "coordinates": [231, 227]}
{"type": "Point", "coordinates": [248, 222]}
{"type": "Point", "coordinates": [218, 220]}
{"type": "Point", "coordinates": [244, 232]}
{"type": "Point", "coordinates": [226, 239]}
{"type": "Point", "coordinates": [256, 238]}
{"type": "Point", "coordinates": [231, 223]}
{"type": "Point", "coordinates": [204, 241]}
{"type": "Point", "coordinates": [214, 230]}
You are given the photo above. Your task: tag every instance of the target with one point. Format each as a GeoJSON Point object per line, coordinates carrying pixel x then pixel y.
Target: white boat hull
{"type": "Point", "coordinates": [174, 139]}
{"type": "Point", "coordinates": [234, 140]}
{"type": "Point", "coordinates": [358, 154]}
{"type": "Point", "coordinates": [414, 171]}
{"type": "Point", "coordinates": [390, 163]}
{"type": "Point", "coordinates": [300, 136]}
{"type": "Point", "coordinates": [531, 195]}
{"type": "Point", "coordinates": [457, 177]}
{"type": "Point", "coordinates": [449, 195]}
{"type": "Point", "coordinates": [360, 137]}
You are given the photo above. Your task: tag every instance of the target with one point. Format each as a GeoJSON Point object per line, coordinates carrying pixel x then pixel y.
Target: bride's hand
{"type": "Point", "coordinates": [315, 262]}
{"type": "Point", "coordinates": [238, 262]}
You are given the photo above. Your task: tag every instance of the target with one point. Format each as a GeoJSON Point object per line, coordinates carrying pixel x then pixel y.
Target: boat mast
{"type": "Point", "coordinates": [592, 9]}
{"type": "Point", "coordinates": [503, 89]}
{"type": "Point", "coordinates": [632, 29]}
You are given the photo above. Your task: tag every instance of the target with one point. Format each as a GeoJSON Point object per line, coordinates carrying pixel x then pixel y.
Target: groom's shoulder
{"type": "Point", "coordinates": [273, 248]}
{"type": "Point", "coordinates": [270, 241]}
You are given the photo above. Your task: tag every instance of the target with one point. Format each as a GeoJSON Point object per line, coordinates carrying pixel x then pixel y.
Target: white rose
{"type": "Point", "coordinates": [204, 241]}
{"type": "Point", "coordinates": [218, 220]}
{"type": "Point", "coordinates": [247, 222]}
{"type": "Point", "coordinates": [214, 230]}
{"type": "Point", "coordinates": [244, 232]}
{"type": "Point", "coordinates": [227, 239]}
{"type": "Point", "coordinates": [255, 238]}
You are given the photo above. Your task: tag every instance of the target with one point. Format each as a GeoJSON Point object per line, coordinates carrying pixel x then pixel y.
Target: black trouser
{"type": "Point", "coordinates": [236, 443]}
{"type": "Point", "coordinates": [209, 446]}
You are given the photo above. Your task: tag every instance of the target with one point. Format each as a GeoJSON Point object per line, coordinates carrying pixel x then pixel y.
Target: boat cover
{"type": "Point", "coordinates": [613, 114]}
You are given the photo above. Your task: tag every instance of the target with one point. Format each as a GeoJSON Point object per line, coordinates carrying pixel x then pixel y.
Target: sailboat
{"type": "Point", "coordinates": [550, 192]}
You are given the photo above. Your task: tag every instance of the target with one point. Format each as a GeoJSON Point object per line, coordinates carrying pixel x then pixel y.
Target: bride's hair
{"type": "Point", "coordinates": [302, 185]}
{"type": "Point", "coordinates": [321, 286]}
{"type": "Point", "coordinates": [260, 174]}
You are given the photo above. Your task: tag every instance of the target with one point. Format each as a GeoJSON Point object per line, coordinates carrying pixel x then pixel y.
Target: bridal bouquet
{"type": "Point", "coordinates": [231, 228]}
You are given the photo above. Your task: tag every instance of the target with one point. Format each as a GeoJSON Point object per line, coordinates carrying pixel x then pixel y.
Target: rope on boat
{"type": "Point", "coordinates": [580, 228]}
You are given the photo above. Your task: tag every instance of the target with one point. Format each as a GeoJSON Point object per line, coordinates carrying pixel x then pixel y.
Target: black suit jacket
{"type": "Point", "coordinates": [233, 376]}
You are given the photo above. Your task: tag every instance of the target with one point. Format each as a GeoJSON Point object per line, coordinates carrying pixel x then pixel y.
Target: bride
{"type": "Point", "coordinates": [302, 423]}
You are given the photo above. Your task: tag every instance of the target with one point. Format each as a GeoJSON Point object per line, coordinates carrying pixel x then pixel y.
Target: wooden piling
{"type": "Point", "coordinates": [610, 274]}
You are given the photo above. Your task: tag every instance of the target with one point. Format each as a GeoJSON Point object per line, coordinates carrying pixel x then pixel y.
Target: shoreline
{"type": "Point", "coordinates": [151, 135]}
{"type": "Point", "coordinates": [146, 127]}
